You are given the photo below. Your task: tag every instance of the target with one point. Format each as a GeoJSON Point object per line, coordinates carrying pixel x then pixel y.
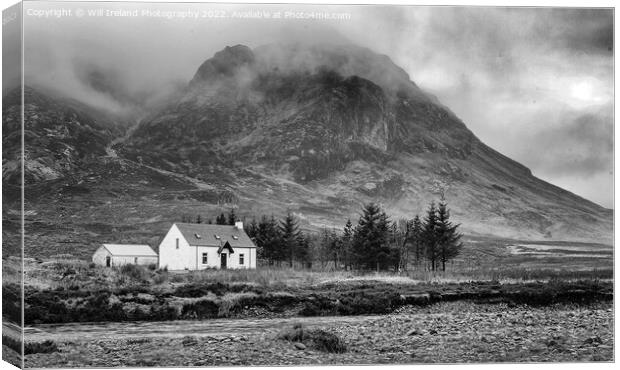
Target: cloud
{"type": "Point", "coordinates": [522, 79]}
{"type": "Point", "coordinates": [581, 146]}
{"type": "Point", "coordinates": [534, 83]}
{"type": "Point", "coordinates": [584, 30]}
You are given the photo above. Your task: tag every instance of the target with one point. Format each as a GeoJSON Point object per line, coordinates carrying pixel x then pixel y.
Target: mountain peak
{"type": "Point", "coordinates": [346, 59]}
{"type": "Point", "coordinates": [224, 63]}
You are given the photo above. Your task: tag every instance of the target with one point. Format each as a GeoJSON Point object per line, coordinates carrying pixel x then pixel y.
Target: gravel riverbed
{"type": "Point", "coordinates": [453, 332]}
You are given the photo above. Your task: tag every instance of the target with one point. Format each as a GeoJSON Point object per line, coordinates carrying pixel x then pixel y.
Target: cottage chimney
{"type": "Point", "coordinates": [239, 225]}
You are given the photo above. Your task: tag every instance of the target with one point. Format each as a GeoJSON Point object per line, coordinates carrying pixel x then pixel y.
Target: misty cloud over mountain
{"type": "Point", "coordinates": [526, 81]}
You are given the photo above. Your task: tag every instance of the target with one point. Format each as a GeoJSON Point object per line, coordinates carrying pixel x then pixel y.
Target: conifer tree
{"type": "Point", "coordinates": [251, 229]}
{"type": "Point", "coordinates": [303, 250]}
{"type": "Point", "coordinates": [403, 235]}
{"type": "Point", "coordinates": [429, 236]}
{"type": "Point", "coordinates": [335, 248]}
{"type": "Point", "coordinates": [448, 239]}
{"type": "Point", "coordinates": [398, 243]}
{"type": "Point", "coordinates": [289, 234]}
{"type": "Point", "coordinates": [370, 239]}
{"type": "Point", "coordinates": [415, 240]}
{"type": "Point", "coordinates": [268, 240]}
{"type": "Point", "coordinates": [347, 240]}
{"type": "Point", "coordinates": [221, 219]}
{"type": "Point", "coordinates": [232, 217]}
{"type": "Point", "coordinates": [325, 246]}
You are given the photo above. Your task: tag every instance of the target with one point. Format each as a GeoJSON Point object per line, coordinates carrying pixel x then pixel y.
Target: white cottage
{"type": "Point", "coordinates": [201, 246]}
{"type": "Point", "coordinates": [124, 254]}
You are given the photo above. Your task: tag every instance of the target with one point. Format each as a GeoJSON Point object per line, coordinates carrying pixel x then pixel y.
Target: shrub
{"type": "Point", "coordinates": [317, 306]}
{"type": "Point", "coordinates": [281, 299]}
{"type": "Point", "coordinates": [233, 301]}
{"type": "Point", "coordinates": [189, 341]}
{"type": "Point", "coordinates": [135, 272]}
{"type": "Point", "coordinates": [200, 290]}
{"type": "Point", "coordinates": [152, 267]}
{"type": "Point", "coordinates": [138, 340]}
{"type": "Point", "coordinates": [177, 278]}
{"type": "Point", "coordinates": [363, 304]}
{"type": "Point", "coordinates": [165, 312]}
{"type": "Point", "coordinates": [203, 309]}
{"type": "Point", "coordinates": [14, 344]}
{"type": "Point", "coordinates": [327, 342]}
{"type": "Point", "coordinates": [292, 334]}
{"type": "Point", "coordinates": [160, 277]}
{"type": "Point", "coordinates": [40, 347]}
{"type": "Point", "coordinates": [317, 338]}
{"type": "Point", "coordinates": [11, 303]}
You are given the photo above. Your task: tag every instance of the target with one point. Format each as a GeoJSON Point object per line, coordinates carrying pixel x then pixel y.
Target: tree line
{"type": "Point", "coordinates": [222, 219]}
{"type": "Point", "coordinates": [374, 243]}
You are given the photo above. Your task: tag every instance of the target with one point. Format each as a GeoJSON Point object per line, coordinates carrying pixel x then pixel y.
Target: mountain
{"type": "Point", "coordinates": [61, 136]}
{"type": "Point", "coordinates": [315, 117]}
{"type": "Point", "coordinates": [321, 129]}
{"type": "Point", "coordinates": [73, 179]}
{"type": "Point", "coordinates": [315, 130]}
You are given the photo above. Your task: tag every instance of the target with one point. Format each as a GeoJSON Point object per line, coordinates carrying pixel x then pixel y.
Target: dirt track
{"type": "Point", "coordinates": [175, 329]}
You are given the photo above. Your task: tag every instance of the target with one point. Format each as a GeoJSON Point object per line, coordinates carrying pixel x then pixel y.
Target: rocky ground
{"type": "Point", "coordinates": [441, 333]}
{"type": "Point", "coordinates": [11, 356]}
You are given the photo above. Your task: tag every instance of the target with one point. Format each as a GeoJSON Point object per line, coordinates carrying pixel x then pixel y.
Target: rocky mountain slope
{"type": "Point", "coordinates": [60, 138]}
{"type": "Point", "coordinates": [321, 129]}
{"type": "Point", "coordinates": [316, 130]}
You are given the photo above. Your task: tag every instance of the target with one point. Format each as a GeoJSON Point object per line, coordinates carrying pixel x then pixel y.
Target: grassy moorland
{"type": "Point", "coordinates": [66, 290]}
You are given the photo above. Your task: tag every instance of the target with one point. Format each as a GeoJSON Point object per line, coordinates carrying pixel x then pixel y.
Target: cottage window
{"type": "Point", "coordinates": [197, 236]}
{"type": "Point", "coordinates": [217, 237]}
{"type": "Point", "coordinates": [177, 243]}
{"type": "Point", "coordinates": [135, 260]}
{"type": "Point", "coordinates": [204, 258]}
{"type": "Point", "coordinates": [235, 237]}
{"type": "Point", "coordinates": [241, 259]}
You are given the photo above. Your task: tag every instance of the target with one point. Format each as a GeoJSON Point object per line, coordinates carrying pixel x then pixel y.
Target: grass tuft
{"type": "Point", "coordinates": [327, 342]}
{"type": "Point", "coordinates": [135, 272]}
{"type": "Point", "coordinates": [40, 347]}
{"type": "Point", "coordinates": [318, 339]}
{"type": "Point", "coordinates": [294, 333]}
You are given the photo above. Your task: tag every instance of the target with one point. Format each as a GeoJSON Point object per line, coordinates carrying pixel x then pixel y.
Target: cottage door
{"type": "Point", "coordinates": [107, 261]}
{"type": "Point", "coordinates": [223, 260]}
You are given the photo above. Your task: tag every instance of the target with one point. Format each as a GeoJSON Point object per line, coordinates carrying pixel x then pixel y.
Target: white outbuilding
{"type": "Point", "coordinates": [201, 246]}
{"type": "Point", "coordinates": [124, 254]}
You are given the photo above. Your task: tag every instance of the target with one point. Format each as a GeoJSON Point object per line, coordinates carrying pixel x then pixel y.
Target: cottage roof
{"type": "Point", "coordinates": [141, 250]}
{"type": "Point", "coordinates": [215, 235]}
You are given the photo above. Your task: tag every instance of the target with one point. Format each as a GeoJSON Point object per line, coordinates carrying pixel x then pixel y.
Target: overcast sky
{"type": "Point", "coordinates": [535, 84]}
